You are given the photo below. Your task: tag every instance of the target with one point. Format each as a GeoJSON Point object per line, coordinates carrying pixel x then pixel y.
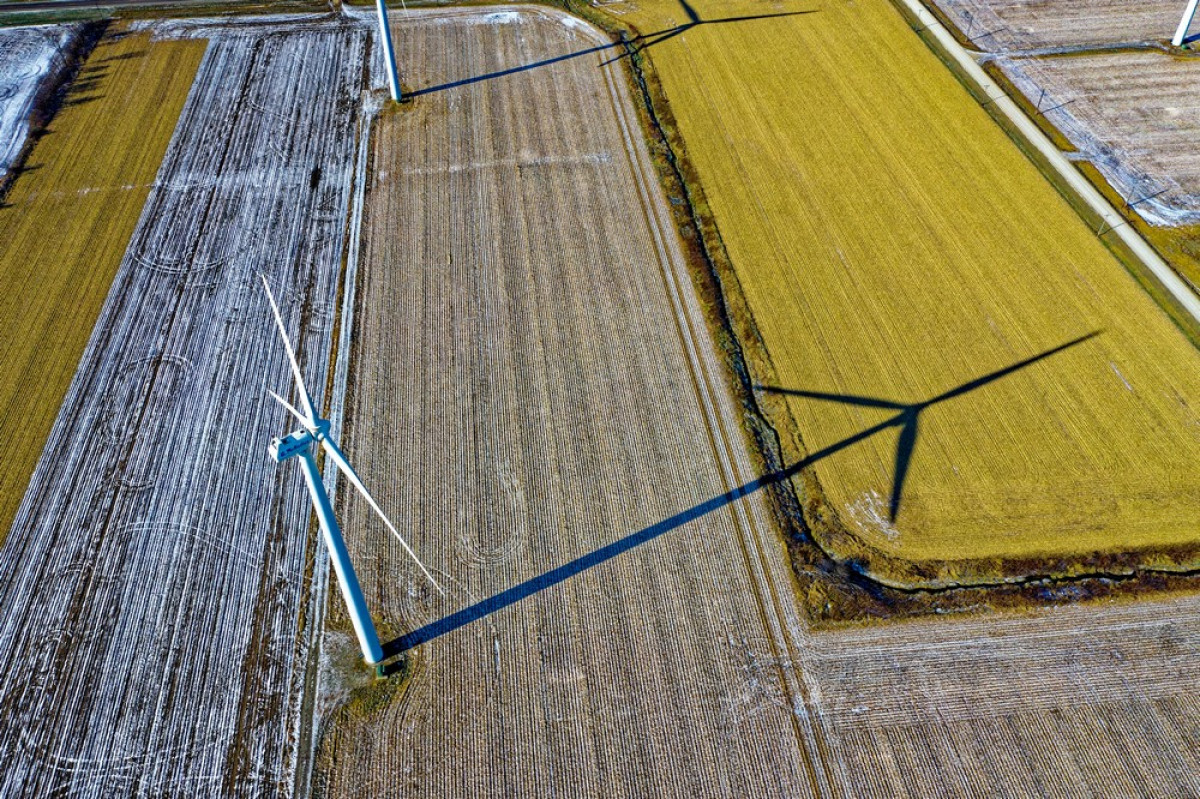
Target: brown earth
{"type": "Point", "coordinates": [538, 403]}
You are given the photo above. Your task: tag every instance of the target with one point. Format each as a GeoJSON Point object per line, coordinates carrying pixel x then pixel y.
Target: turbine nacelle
{"type": "Point", "coordinates": [290, 446]}
{"type": "Point", "coordinates": [298, 442]}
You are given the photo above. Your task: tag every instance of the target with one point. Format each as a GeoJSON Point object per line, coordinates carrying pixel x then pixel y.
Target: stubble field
{"type": "Point", "coordinates": [1003, 25]}
{"type": "Point", "coordinates": [539, 404]}
{"type": "Point", "coordinates": [156, 573]}
{"type": "Point", "coordinates": [925, 298]}
{"type": "Point", "coordinates": [1089, 700]}
{"type": "Point", "coordinates": [64, 228]}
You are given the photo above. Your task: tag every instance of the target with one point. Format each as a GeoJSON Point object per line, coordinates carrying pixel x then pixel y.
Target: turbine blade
{"type": "Point", "coordinates": [352, 476]}
{"type": "Point", "coordinates": [305, 399]}
{"type": "Point", "coordinates": [292, 409]}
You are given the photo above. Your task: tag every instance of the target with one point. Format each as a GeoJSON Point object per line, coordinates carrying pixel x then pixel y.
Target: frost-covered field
{"type": "Point", "coordinates": [27, 57]}
{"type": "Point", "coordinates": [154, 578]}
{"type": "Point", "coordinates": [1006, 25]}
{"type": "Point", "coordinates": [1135, 116]}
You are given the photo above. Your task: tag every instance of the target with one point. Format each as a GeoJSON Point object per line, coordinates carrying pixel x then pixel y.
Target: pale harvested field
{"type": "Point", "coordinates": [65, 226]}
{"type": "Point", "coordinates": [535, 385]}
{"type": "Point", "coordinates": [1084, 701]}
{"type": "Point", "coordinates": [1136, 116]}
{"type": "Point", "coordinates": [893, 245]}
{"type": "Point", "coordinates": [154, 577]}
{"type": "Point", "coordinates": [1004, 25]}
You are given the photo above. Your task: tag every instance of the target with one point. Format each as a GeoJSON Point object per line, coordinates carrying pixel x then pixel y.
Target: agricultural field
{"type": "Point", "coordinates": [491, 301]}
{"type": "Point", "coordinates": [537, 392]}
{"type": "Point", "coordinates": [155, 574]}
{"type": "Point", "coordinates": [64, 228]}
{"type": "Point", "coordinates": [1133, 116]}
{"type": "Point", "coordinates": [28, 56]}
{"type": "Point", "coordinates": [1013, 25]}
{"type": "Point", "coordinates": [1086, 700]}
{"type": "Point", "coordinates": [975, 387]}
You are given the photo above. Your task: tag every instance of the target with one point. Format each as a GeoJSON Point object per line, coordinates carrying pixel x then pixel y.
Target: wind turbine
{"type": "Point", "coordinates": [389, 55]}
{"type": "Point", "coordinates": [299, 443]}
{"type": "Point", "coordinates": [1185, 23]}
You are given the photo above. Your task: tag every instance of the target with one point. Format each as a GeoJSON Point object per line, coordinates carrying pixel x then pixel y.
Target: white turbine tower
{"type": "Point", "coordinates": [389, 55]}
{"type": "Point", "coordinates": [300, 444]}
{"type": "Point", "coordinates": [1185, 23]}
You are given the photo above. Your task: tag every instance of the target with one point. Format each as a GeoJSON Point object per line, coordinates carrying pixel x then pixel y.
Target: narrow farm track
{"type": "Point", "coordinates": [154, 575]}
{"type": "Point", "coordinates": [538, 402]}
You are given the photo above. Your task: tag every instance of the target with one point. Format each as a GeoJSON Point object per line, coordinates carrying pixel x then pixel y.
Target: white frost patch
{"type": "Point", "coordinates": [1118, 373]}
{"type": "Point", "coordinates": [224, 27]}
{"type": "Point", "coordinates": [503, 17]}
{"type": "Point", "coordinates": [870, 512]}
{"type": "Point", "coordinates": [27, 56]}
{"type": "Point", "coordinates": [1131, 157]}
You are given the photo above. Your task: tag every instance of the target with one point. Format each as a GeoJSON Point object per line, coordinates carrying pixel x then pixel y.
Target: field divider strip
{"type": "Point", "coordinates": [307, 722]}
{"type": "Point", "coordinates": [773, 607]}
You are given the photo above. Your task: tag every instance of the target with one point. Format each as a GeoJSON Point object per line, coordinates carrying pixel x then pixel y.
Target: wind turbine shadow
{"type": "Point", "coordinates": [647, 40]}
{"type": "Point", "coordinates": [908, 415]}
{"type": "Point", "coordinates": [906, 419]}
{"type": "Point", "coordinates": [632, 45]}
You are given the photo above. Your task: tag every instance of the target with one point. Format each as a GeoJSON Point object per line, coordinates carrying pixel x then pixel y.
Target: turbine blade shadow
{"type": "Point", "coordinates": [648, 40]}
{"type": "Point", "coordinates": [999, 373]}
{"type": "Point", "coordinates": [907, 419]}
{"type": "Point", "coordinates": [441, 87]}
{"type": "Point", "coordinates": [511, 596]}
{"type": "Point", "coordinates": [844, 399]}
{"type": "Point", "coordinates": [904, 452]}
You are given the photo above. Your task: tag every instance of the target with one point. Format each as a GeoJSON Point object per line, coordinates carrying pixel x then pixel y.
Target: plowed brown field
{"type": "Point", "coordinates": [538, 402]}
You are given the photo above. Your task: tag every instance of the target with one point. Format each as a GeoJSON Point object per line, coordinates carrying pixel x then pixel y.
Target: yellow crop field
{"type": "Point", "coordinates": [65, 226]}
{"type": "Point", "coordinates": [926, 302]}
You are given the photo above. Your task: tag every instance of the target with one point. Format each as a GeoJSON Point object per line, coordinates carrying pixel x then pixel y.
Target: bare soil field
{"type": "Point", "coordinates": [155, 574]}
{"type": "Point", "coordinates": [1081, 701]}
{"type": "Point", "coordinates": [1134, 116]}
{"type": "Point", "coordinates": [541, 407]}
{"type": "Point", "coordinates": [64, 228]}
{"type": "Point", "coordinates": [918, 301]}
{"type": "Point", "coordinates": [1006, 25]}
